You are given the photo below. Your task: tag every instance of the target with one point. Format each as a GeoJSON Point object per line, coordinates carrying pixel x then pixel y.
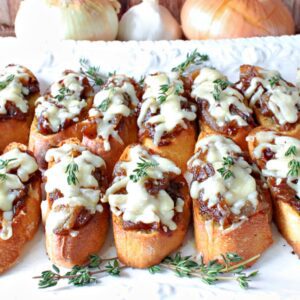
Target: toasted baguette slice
{"type": "Point", "coordinates": [70, 247]}
{"type": "Point", "coordinates": [144, 246]}
{"type": "Point", "coordinates": [247, 73]}
{"type": "Point", "coordinates": [24, 224]}
{"type": "Point", "coordinates": [179, 150]}
{"type": "Point", "coordinates": [286, 207]}
{"type": "Point", "coordinates": [14, 130]}
{"type": "Point", "coordinates": [42, 135]}
{"type": "Point", "coordinates": [218, 228]}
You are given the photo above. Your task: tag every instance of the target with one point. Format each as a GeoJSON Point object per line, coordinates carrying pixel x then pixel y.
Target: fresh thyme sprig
{"type": "Point", "coordinates": [6, 82]}
{"type": "Point", "coordinates": [219, 86]}
{"type": "Point", "coordinates": [106, 102]}
{"type": "Point", "coordinates": [71, 170]}
{"type": "Point", "coordinates": [294, 166]}
{"type": "Point", "coordinates": [91, 72]}
{"type": "Point", "coordinates": [168, 89]}
{"type": "Point", "coordinates": [210, 273]}
{"type": "Point", "coordinates": [141, 170]}
{"type": "Point", "coordinates": [142, 80]}
{"type": "Point", "coordinates": [291, 151]}
{"type": "Point", "coordinates": [5, 163]}
{"type": "Point", "coordinates": [194, 58]}
{"type": "Point", "coordinates": [225, 170]}
{"type": "Point", "coordinates": [62, 93]}
{"type": "Point", "coordinates": [80, 275]}
{"type": "Point", "coordinates": [274, 80]}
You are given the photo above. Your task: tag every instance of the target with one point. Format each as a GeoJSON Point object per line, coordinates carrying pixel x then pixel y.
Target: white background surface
{"type": "Point", "coordinates": [279, 270]}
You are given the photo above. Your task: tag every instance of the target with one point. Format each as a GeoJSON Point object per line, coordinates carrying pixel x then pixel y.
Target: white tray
{"type": "Point", "coordinates": [279, 269]}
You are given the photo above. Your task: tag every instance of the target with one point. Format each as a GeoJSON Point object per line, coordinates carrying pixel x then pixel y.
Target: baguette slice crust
{"type": "Point", "coordinates": [179, 150]}
{"type": "Point", "coordinates": [25, 223]}
{"type": "Point", "coordinates": [142, 248]}
{"type": "Point", "coordinates": [70, 249]}
{"type": "Point", "coordinates": [287, 217]}
{"type": "Point", "coordinates": [248, 237]}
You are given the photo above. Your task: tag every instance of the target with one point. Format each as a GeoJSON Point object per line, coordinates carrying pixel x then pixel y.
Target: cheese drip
{"type": "Point", "coordinates": [236, 190]}
{"type": "Point", "coordinates": [284, 100]}
{"type": "Point", "coordinates": [136, 204]}
{"type": "Point", "coordinates": [14, 92]}
{"type": "Point", "coordinates": [278, 166]}
{"type": "Point", "coordinates": [63, 102]}
{"type": "Point", "coordinates": [12, 184]}
{"type": "Point", "coordinates": [84, 193]}
{"type": "Point", "coordinates": [111, 102]}
{"type": "Point", "coordinates": [204, 89]}
{"type": "Point", "coordinates": [169, 114]}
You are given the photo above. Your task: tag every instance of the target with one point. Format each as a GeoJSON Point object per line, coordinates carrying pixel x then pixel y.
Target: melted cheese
{"type": "Point", "coordinates": [237, 190]}
{"type": "Point", "coordinates": [56, 111]}
{"type": "Point", "coordinates": [84, 193]}
{"type": "Point", "coordinates": [116, 97]}
{"type": "Point", "coordinates": [137, 205]}
{"type": "Point", "coordinates": [14, 92]}
{"type": "Point", "coordinates": [278, 167]}
{"type": "Point", "coordinates": [25, 165]}
{"type": "Point", "coordinates": [204, 88]}
{"type": "Point", "coordinates": [168, 114]}
{"type": "Point", "coordinates": [284, 100]}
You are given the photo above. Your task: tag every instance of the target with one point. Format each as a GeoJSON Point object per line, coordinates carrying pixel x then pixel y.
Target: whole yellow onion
{"type": "Point", "coordinates": [51, 20]}
{"type": "Point", "coordinates": [215, 19]}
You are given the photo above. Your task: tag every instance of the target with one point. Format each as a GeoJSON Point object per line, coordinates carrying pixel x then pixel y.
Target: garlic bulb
{"type": "Point", "coordinates": [202, 19]}
{"type": "Point", "coordinates": [148, 21]}
{"type": "Point", "coordinates": [51, 20]}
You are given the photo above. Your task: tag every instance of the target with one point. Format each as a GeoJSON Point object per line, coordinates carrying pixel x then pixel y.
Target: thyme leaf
{"type": "Point", "coordinates": [141, 171]}
{"type": "Point", "coordinates": [294, 166]}
{"type": "Point", "coordinates": [219, 86]}
{"type": "Point", "coordinates": [274, 80]}
{"type": "Point", "coordinates": [71, 170]}
{"type": "Point", "coordinates": [291, 151]}
{"type": "Point", "coordinates": [225, 170]}
{"type": "Point", "coordinates": [3, 177]}
{"type": "Point", "coordinates": [5, 163]}
{"type": "Point", "coordinates": [6, 82]}
{"type": "Point", "coordinates": [63, 93]}
{"type": "Point", "coordinates": [194, 58]}
{"type": "Point", "coordinates": [168, 89]}
{"type": "Point", "coordinates": [91, 72]}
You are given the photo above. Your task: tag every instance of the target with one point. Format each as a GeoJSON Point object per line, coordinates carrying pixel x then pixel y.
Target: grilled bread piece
{"type": "Point", "coordinates": [76, 222]}
{"type": "Point", "coordinates": [275, 102]}
{"type": "Point", "coordinates": [112, 122]}
{"type": "Point", "coordinates": [167, 118]}
{"type": "Point", "coordinates": [278, 157]}
{"type": "Point", "coordinates": [59, 114]}
{"type": "Point", "coordinates": [222, 107]}
{"type": "Point", "coordinates": [20, 197]}
{"type": "Point", "coordinates": [150, 203]}
{"type": "Point", "coordinates": [231, 204]}
{"type": "Point", "coordinates": [18, 92]}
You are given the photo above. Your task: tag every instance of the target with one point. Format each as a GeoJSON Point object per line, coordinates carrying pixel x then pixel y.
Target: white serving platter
{"type": "Point", "coordinates": [279, 269]}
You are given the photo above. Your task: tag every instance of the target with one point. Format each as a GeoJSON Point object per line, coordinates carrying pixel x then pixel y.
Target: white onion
{"type": "Point", "coordinates": [51, 20]}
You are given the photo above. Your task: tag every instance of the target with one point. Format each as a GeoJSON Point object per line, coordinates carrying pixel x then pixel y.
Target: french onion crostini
{"type": "Point", "coordinates": [231, 204]}
{"type": "Point", "coordinates": [112, 123]}
{"type": "Point", "coordinates": [167, 118]}
{"type": "Point", "coordinates": [59, 114]}
{"type": "Point", "coordinates": [18, 91]}
{"type": "Point", "coordinates": [20, 197]}
{"type": "Point", "coordinates": [222, 108]}
{"type": "Point", "coordinates": [275, 102]}
{"type": "Point", "coordinates": [150, 203]}
{"type": "Point", "coordinates": [76, 222]}
{"type": "Point", "coordinates": [278, 157]}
